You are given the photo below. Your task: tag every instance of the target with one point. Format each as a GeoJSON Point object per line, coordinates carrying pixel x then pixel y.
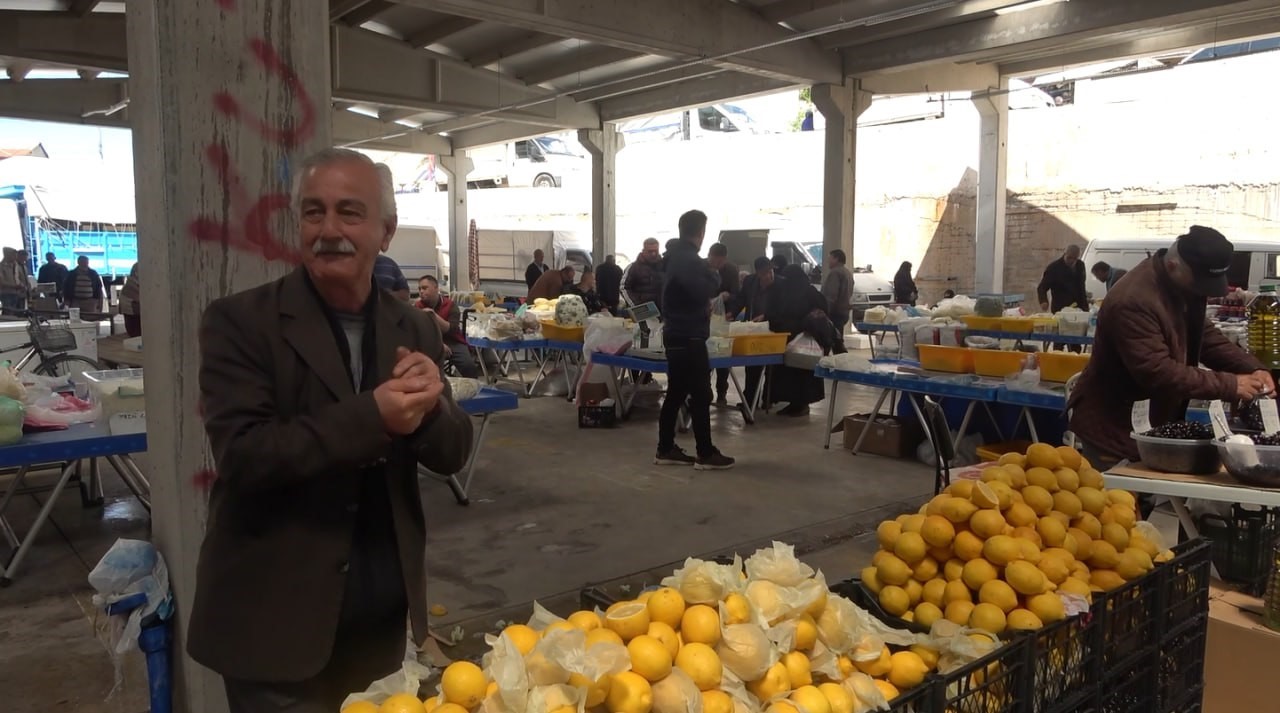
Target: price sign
{"type": "Point", "coordinates": [1218, 417]}
{"type": "Point", "coordinates": [1140, 417]}
{"type": "Point", "coordinates": [1270, 419]}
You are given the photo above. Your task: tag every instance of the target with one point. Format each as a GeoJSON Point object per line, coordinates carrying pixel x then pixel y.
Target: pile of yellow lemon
{"type": "Point", "coordinates": [994, 554]}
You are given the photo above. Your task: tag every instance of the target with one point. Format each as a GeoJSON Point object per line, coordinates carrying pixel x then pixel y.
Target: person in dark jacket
{"type": "Point", "coordinates": [1064, 278]}
{"type": "Point", "coordinates": [643, 282]}
{"type": "Point", "coordinates": [52, 272]}
{"type": "Point", "coordinates": [609, 283]}
{"type": "Point", "coordinates": [1152, 338]}
{"type": "Point", "coordinates": [586, 289]}
{"type": "Point", "coordinates": [1107, 275]}
{"type": "Point", "coordinates": [904, 288]}
{"type": "Point", "coordinates": [751, 305]}
{"type": "Point", "coordinates": [689, 285]}
{"type": "Point", "coordinates": [718, 258]}
{"type": "Point", "coordinates": [793, 311]}
{"type": "Point", "coordinates": [83, 287]}
{"type": "Point", "coordinates": [535, 269]}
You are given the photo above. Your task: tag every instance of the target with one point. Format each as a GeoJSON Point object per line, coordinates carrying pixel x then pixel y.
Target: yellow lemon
{"type": "Point", "coordinates": [960, 489]}
{"type": "Point", "coordinates": [798, 668]}
{"type": "Point", "coordinates": [892, 570]}
{"type": "Point", "coordinates": [1105, 579]}
{"type": "Point", "coordinates": [585, 620]}
{"type": "Point", "coordinates": [967, 546]}
{"type": "Point", "coordinates": [1004, 494]}
{"type": "Point", "coordinates": [925, 570]}
{"type": "Point", "coordinates": [1077, 587]}
{"type": "Point", "coordinates": [720, 702]}
{"type": "Point", "coordinates": [908, 670]}
{"type": "Point", "coordinates": [845, 664]}
{"type": "Point", "coordinates": [1028, 550]}
{"type": "Point", "coordinates": [445, 708]}
{"type": "Point", "coordinates": [1025, 578]}
{"type": "Point", "coordinates": [870, 579]}
{"type": "Point", "coordinates": [1092, 500]}
{"type": "Point", "coordinates": [433, 703]}
{"type": "Point", "coordinates": [953, 568]}
{"type": "Point", "coordinates": [1122, 497]}
{"type": "Point", "coordinates": [910, 547]}
{"type": "Point", "coordinates": [928, 655]}
{"type": "Point", "coordinates": [1000, 551]}
{"type": "Point", "coordinates": [401, 703]}
{"type": "Point", "coordinates": [1043, 455]}
{"type": "Point", "coordinates": [1047, 606]}
{"type": "Point", "coordinates": [839, 699]}
{"type": "Point", "coordinates": [978, 572]}
{"type": "Point", "coordinates": [782, 707]}
{"type": "Point", "coordinates": [887, 534]}
{"type": "Point", "coordinates": [1089, 524]}
{"type": "Point", "coordinates": [773, 683]}
{"type": "Point", "coordinates": [927, 613]}
{"type": "Point", "coordinates": [1011, 459]}
{"type": "Point", "coordinates": [702, 664]}
{"type": "Point", "coordinates": [666, 635]}
{"type": "Point", "coordinates": [1071, 457]}
{"type": "Point", "coordinates": [1067, 503]}
{"type": "Point", "coordinates": [737, 610]}
{"type": "Point", "coordinates": [877, 667]}
{"type": "Point", "coordinates": [559, 626]}
{"type": "Point", "coordinates": [463, 683]}
{"type": "Point", "coordinates": [1056, 569]}
{"type": "Point", "coordinates": [987, 617]}
{"type": "Point", "coordinates": [958, 612]}
{"type": "Point", "coordinates": [629, 693]}
{"type": "Point", "coordinates": [1091, 477]}
{"type": "Point", "coordinates": [1029, 534]}
{"type": "Point", "coordinates": [810, 700]}
{"type": "Point", "coordinates": [934, 592]}
{"type": "Point", "coordinates": [1023, 620]}
{"type": "Point", "coordinates": [599, 636]}
{"type": "Point", "coordinates": [1068, 479]}
{"type": "Point", "coordinates": [938, 531]}
{"type": "Point", "coordinates": [700, 625]}
{"type": "Point", "coordinates": [1123, 515]}
{"type": "Point", "coordinates": [1021, 514]}
{"type": "Point", "coordinates": [667, 606]}
{"type": "Point", "coordinates": [806, 633]}
{"type": "Point", "coordinates": [888, 690]}
{"type": "Point", "coordinates": [991, 474]}
{"type": "Point", "coordinates": [649, 657]}
{"type": "Point", "coordinates": [1134, 563]}
{"type": "Point", "coordinates": [1052, 532]}
{"type": "Point", "coordinates": [1116, 535]}
{"type": "Point", "coordinates": [628, 621]}
{"type": "Point", "coordinates": [361, 707]}
{"type": "Point", "coordinates": [987, 523]}
{"type": "Point", "coordinates": [913, 523]}
{"type": "Point", "coordinates": [956, 591]}
{"type": "Point", "coordinates": [597, 690]}
{"type": "Point", "coordinates": [1000, 594]}
{"type": "Point", "coordinates": [958, 510]}
{"type": "Point", "coordinates": [1084, 543]}
{"type": "Point", "coordinates": [1038, 499]}
{"type": "Point", "coordinates": [524, 637]}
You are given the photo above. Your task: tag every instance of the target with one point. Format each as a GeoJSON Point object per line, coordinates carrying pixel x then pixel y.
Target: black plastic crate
{"type": "Point", "coordinates": [1180, 679]}
{"type": "Point", "coordinates": [916, 700]}
{"type": "Point", "coordinates": [1128, 620]}
{"type": "Point", "coordinates": [855, 591]}
{"type": "Point", "coordinates": [1242, 544]}
{"type": "Point", "coordinates": [1185, 586]}
{"type": "Point", "coordinates": [597, 417]}
{"type": "Point", "coordinates": [995, 683]}
{"type": "Point", "coordinates": [1063, 665]}
{"type": "Point", "coordinates": [1127, 689]}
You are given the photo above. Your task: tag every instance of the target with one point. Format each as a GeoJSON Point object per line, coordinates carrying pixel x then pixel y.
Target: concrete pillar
{"type": "Point", "coordinates": [603, 145]}
{"type": "Point", "coordinates": [841, 105]}
{"type": "Point", "coordinates": [993, 109]}
{"type": "Point", "coordinates": [225, 98]}
{"type": "Point", "coordinates": [458, 166]}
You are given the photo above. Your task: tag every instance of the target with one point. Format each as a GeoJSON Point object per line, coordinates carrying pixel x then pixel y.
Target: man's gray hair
{"type": "Point", "coordinates": [324, 157]}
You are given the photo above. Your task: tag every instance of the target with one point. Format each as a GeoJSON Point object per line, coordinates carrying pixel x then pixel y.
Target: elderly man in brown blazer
{"type": "Point", "coordinates": [321, 396]}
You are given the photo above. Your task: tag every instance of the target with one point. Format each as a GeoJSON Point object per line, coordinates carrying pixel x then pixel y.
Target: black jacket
{"type": "Point", "coordinates": [752, 298]}
{"type": "Point", "coordinates": [1066, 283]}
{"type": "Point", "coordinates": [688, 287]}
{"type": "Point", "coordinates": [69, 284]}
{"type": "Point", "coordinates": [609, 284]}
{"type": "Point", "coordinates": [533, 272]}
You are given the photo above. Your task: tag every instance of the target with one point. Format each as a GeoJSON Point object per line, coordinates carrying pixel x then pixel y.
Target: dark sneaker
{"type": "Point", "coordinates": [715, 461]}
{"type": "Point", "coordinates": [675, 456]}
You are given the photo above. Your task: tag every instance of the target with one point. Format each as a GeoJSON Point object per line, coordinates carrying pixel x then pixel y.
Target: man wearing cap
{"type": "Point", "coordinates": [1152, 337]}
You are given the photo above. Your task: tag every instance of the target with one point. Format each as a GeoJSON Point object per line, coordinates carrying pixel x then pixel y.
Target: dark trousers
{"type": "Point", "coordinates": [460, 357]}
{"type": "Point", "coordinates": [688, 379]}
{"type": "Point", "coordinates": [722, 383]}
{"type": "Point", "coordinates": [755, 375]}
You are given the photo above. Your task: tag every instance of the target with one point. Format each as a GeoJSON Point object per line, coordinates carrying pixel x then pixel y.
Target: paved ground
{"type": "Point", "coordinates": [553, 509]}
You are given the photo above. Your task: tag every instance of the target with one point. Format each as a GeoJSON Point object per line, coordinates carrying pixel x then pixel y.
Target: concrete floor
{"type": "Point", "coordinates": [553, 508]}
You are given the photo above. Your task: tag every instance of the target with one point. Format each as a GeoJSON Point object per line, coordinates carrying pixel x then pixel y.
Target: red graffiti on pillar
{"type": "Point", "coordinates": [249, 226]}
{"type": "Point", "coordinates": [203, 480]}
{"type": "Point", "coordinates": [227, 5]}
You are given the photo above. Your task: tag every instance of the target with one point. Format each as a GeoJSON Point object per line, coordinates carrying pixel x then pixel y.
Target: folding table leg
{"type": "Point", "coordinates": [831, 411]}
{"type": "Point", "coordinates": [91, 491]}
{"type": "Point", "coordinates": [12, 568]}
{"type": "Point", "coordinates": [133, 478]}
{"type": "Point", "coordinates": [749, 405]}
{"type": "Point", "coordinates": [460, 489]}
{"type": "Point", "coordinates": [968, 416]}
{"type": "Point", "coordinates": [14, 487]}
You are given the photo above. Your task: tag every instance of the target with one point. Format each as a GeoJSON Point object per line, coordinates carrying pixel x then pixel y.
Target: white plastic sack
{"type": "Point", "coordinates": [778, 564]}
{"type": "Point", "coordinates": [406, 680]}
{"type": "Point", "coordinates": [702, 582]}
{"type": "Point", "coordinates": [744, 329]}
{"type": "Point", "coordinates": [804, 345]}
{"type": "Point", "coordinates": [130, 567]}
{"type": "Point", "coordinates": [746, 650]}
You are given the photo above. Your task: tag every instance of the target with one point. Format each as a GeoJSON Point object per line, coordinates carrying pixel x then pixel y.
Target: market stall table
{"type": "Point", "coordinates": [484, 404]}
{"type": "Point", "coordinates": [505, 350]}
{"type": "Point", "coordinates": [1030, 400]}
{"type": "Point", "coordinates": [113, 353]}
{"type": "Point", "coordinates": [81, 441]}
{"type": "Point", "coordinates": [567, 355]}
{"type": "Point", "coordinates": [628, 363]}
{"type": "Point", "coordinates": [913, 386]}
{"type": "Point", "coordinates": [1044, 338]}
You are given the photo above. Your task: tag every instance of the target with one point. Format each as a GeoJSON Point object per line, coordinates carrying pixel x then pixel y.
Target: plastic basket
{"type": "Point", "coordinates": [52, 338]}
{"type": "Point", "coordinates": [551, 330]}
{"type": "Point", "coordinates": [1063, 665]}
{"type": "Point", "coordinates": [760, 344]}
{"type": "Point", "coordinates": [956, 360]}
{"type": "Point", "coordinates": [1061, 366]}
{"type": "Point", "coordinates": [1017, 325]}
{"type": "Point", "coordinates": [1128, 689]}
{"type": "Point", "coordinates": [1185, 586]}
{"type": "Point", "coordinates": [597, 417]}
{"type": "Point", "coordinates": [982, 324]}
{"type": "Point", "coordinates": [1129, 620]}
{"type": "Point", "coordinates": [1180, 677]}
{"type": "Point", "coordinates": [855, 591]}
{"type": "Point", "coordinates": [997, 363]}
{"type": "Point", "coordinates": [915, 700]}
{"type": "Point", "coordinates": [1242, 544]}
{"type": "Point", "coordinates": [994, 683]}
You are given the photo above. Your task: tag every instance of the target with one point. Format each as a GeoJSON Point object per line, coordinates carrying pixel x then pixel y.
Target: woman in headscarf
{"type": "Point", "coordinates": [799, 308]}
{"type": "Point", "coordinates": [904, 288]}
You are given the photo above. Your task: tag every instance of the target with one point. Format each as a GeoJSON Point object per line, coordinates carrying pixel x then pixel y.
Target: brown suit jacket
{"type": "Point", "coordinates": [547, 287]}
{"type": "Point", "coordinates": [288, 433]}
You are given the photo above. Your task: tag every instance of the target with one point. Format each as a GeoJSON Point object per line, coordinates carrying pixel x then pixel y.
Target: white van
{"type": "Point", "coordinates": [1256, 261]}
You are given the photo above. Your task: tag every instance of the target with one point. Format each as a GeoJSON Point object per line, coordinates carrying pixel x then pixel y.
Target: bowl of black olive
{"type": "Point", "coordinates": [1179, 447]}
{"type": "Point", "coordinates": [1252, 459]}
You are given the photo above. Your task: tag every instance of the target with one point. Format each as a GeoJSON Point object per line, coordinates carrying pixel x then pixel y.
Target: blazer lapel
{"type": "Point", "coordinates": [390, 334]}
{"type": "Point", "coordinates": [306, 328]}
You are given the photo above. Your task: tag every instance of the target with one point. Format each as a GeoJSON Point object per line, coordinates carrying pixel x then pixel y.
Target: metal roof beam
{"type": "Point", "coordinates": [787, 9]}
{"type": "Point", "coordinates": [68, 101]}
{"type": "Point", "coordinates": [96, 41]}
{"type": "Point", "coordinates": [497, 134]}
{"type": "Point", "coordinates": [365, 12]}
{"type": "Point", "coordinates": [648, 80]}
{"type": "Point", "coordinates": [1180, 39]}
{"type": "Point", "coordinates": [432, 34]}
{"type": "Point", "coordinates": [431, 82]}
{"type": "Point", "coordinates": [934, 78]}
{"type": "Point", "coordinates": [363, 132]}
{"type": "Point", "coordinates": [914, 23]}
{"type": "Point", "coordinates": [1037, 27]}
{"type": "Point", "coordinates": [575, 62]}
{"type": "Point", "coordinates": [80, 8]}
{"type": "Point", "coordinates": [528, 43]}
{"type": "Point", "coordinates": [695, 92]}
{"type": "Point", "coordinates": [683, 29]}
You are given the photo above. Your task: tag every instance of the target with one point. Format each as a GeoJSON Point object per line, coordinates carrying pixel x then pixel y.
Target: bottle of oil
{"type": "Point", "coordinates": [1264, 327]}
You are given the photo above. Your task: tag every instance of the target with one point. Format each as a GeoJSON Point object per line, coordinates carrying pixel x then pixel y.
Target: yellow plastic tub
{"type": "Point", "coordinates": [551, 330]}
{"type": "Point", "coordinates": [1061, 366]}
{"type": "Point", "coordinates": [988, 324]}
{"type": "Point", "coordinates": [993, 362]}
{"type": "Point", "coordinates": [957, 360]}
{"type": "Point", "coordinates": [760, 344]}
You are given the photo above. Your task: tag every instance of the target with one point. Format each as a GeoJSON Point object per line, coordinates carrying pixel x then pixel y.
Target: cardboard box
{"type": "Point", "coordinates": [889, 435]}
{"type": "Point", "coordinates": [1241, 656]}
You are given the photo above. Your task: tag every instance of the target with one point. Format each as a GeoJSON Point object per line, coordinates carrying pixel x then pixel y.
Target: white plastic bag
{"type": "Point", "coordinates": [130, 567]}
{"type": "Point", "coordinates": [778, 564]}
{"type": "Point", "coordinates": [406, 680]}
{"type": "Point", "coordinates": [702, 582]}
{"type": "Point", "coordinates": [746, 650]}
{"type": "Point", "coordinates": [805, 345]}
{"type": "Point", "coordinates": [719, 323]}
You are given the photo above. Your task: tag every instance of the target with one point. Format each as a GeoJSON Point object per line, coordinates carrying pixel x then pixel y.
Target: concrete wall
{"type": "Point", "coordinates": [1191, 145]}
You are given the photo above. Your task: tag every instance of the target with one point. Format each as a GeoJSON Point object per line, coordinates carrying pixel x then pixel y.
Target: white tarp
{"type": "Point", "coordinates": [71, 190]}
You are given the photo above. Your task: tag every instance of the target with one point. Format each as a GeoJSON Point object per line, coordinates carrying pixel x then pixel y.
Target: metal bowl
{"type": "Point", "coordinates": [1174, 455]}
{"type": "Point", "coordinates": [1252, 465]}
